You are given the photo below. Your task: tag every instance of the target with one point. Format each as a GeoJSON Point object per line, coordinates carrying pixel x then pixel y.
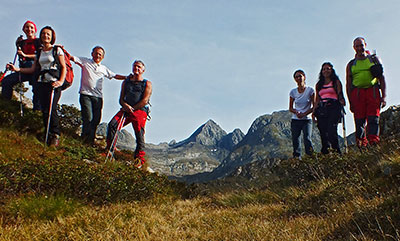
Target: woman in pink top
{"type": "Point", "coordinates": [329, 101]}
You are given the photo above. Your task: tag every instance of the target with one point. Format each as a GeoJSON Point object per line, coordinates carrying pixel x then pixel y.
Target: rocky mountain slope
{"type": "Point", "coordinates": [203, 151]}
{"type": "Point", "coordinates": [269, 137]}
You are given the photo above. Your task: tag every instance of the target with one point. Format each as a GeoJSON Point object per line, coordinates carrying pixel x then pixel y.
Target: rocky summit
{"type": "Point", "coordinates": [203, 151]}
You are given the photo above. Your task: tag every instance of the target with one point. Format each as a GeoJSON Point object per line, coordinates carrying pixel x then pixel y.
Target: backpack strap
{"type": "Point", "coordinates": [147, 107]}
{"type": "Point", "coordinates": [54, 52]}
{"type": "Point", "coordinates": [374, 59]}
{"type": "Point", "coordinates": [52, 72]}
{"type": "Point", "coordinates": [353, 62]}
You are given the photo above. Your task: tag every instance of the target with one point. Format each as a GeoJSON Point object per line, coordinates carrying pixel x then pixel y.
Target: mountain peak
{"type": "Point", "coordinates": [211, 122]}
{"type": "Point", "coordinates": [208, 134]}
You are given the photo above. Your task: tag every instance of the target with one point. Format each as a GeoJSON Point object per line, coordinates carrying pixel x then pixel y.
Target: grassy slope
{"type": "Point", "coordinates": [52, 194]}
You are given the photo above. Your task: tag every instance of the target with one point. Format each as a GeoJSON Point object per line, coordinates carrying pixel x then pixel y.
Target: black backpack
{"type": "Point", "coordinates": [376, 69]}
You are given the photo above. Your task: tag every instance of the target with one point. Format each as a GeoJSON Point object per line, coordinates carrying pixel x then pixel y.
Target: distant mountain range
{"type": "Point", "coordinates": [211, 153]}
{"type": "Point", "coordinates": [269, 137]}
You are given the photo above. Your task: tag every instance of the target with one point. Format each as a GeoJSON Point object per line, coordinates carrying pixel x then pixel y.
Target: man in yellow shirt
{"type": "Point", "coordinates": [366, 91]}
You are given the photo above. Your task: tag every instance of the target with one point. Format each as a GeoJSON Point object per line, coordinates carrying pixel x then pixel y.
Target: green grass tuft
{"type": "Point", "coordinates": [42, 207]}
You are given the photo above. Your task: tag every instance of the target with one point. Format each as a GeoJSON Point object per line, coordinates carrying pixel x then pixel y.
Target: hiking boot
{"type": "Point", "coordinates": [54, 140]}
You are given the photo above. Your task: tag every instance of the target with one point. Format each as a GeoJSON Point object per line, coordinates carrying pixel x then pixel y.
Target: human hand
{"type": "Point", "coordinates": [127, 108]}
{"type": "Point", "coordinates": [19, 39]}
{"type": "Point", "coordinates": [12, 67]}
{"type": "Point", "coordinates": [57, 84]}
{"type": "Point", "coordinates": [299, 115]}
{"type": "Point", "coordinates": [20, 53]}
{"type": "Point", "coordinates": [314, 118]}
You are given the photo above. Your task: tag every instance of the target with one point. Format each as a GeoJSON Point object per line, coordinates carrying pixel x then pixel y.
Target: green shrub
{"type": "Point", "coordinates": [10, 117]}
{"type": "Point", "coordinates": [97, 183]}
{"type": "Point", "coordinates": [32, 121]}
{"type": "Point", "coordinates": [70, 119]}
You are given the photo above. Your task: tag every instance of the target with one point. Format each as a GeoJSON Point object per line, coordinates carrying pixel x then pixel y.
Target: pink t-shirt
{"type": "Point", "coordinates": [327, 92]}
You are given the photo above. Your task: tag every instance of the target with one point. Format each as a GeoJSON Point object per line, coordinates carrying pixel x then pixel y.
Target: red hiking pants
{"type": "Point", "coordinates": [138, 119]}
{"type": "Point", "coordinates": [366, 106]}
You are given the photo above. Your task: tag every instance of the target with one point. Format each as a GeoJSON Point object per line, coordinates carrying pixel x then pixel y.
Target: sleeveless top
{"type": "Point", "coordinates": [360, 71]}
{"type": "Point", "coordinates": [327, 92]}
{"type": "Point", "coordinates": [28, 46]}
{"type": "Point", "coordinates": [134, 92]}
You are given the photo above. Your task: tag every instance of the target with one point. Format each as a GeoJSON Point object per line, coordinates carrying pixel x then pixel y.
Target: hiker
{"type": "Point", "coordinates": [366, 91]}
{"type": "Point", "coordinates": [329, 102]}
{"type": "Point", "coordinates": [301, 103]}
{"type": "Point", "coordinates": [48, 83]}
{"type": "Point", "coordinates": [134, 99]}
{"type": "Point", "coordinates": [91, 91]}
{"type": "Point", "coordinates": [27, 52]}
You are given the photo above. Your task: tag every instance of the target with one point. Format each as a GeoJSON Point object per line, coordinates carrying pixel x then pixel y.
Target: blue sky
{"type": "Point", "coordinates": [230, 61]}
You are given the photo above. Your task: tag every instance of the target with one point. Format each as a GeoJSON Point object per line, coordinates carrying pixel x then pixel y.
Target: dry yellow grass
{"type": "Point", "coordinates": [357, 202]}
{"type": "Point", "coordinates": [196, 219]}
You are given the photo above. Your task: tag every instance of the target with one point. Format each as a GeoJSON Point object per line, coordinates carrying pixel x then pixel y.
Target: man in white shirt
{"type": "Point", "coordinates": [91, 91]}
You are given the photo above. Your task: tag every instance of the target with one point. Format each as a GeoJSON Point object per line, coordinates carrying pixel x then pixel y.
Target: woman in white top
{"type": "Point", "coordinates": [301, 104]}
{"type": "Point", "coordinates": [51, 78]}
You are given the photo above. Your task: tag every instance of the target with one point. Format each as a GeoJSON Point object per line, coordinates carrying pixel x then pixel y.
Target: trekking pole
{"type": "Point", "coordinates": [5, 71]}
{"type": "Point", "coordinates": [110, 152]}
{"type": "Point", "coordinates": [344, 129]}
{"type": "Point", "coordinates": [48, 119]}
{"type": "Point", "coordinates": [20, 86]}
{"type": "Point", "coordinates": [20, 95]}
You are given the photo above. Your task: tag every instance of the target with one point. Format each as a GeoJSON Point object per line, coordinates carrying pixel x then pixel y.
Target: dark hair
{"type": "Point", "coordinates": [53, 35]}
{"type": "Point", "coordinates": [99, 47]}
{"type": "Point", "coordinates": [359, 38]}
{"type": "Point", "coordinates": [299, 71]}
{"type": "Point", "coordinates": [333, 77]}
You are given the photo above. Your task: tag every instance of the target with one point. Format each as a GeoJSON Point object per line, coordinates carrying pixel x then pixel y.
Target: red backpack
{"type": "Point", "coordinates": [69, 77]}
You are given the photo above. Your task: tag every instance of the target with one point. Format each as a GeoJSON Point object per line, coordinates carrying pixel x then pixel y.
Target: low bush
{"type": "Point", "coordinates": [96, 183]}
{"type": "Point", "coordinates": [32, 121]}
{"type": "Point", "coordinates": [42, 207]}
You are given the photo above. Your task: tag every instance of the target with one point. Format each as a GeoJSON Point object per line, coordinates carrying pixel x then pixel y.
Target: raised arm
{"type": "Point", "coordinates": [22, 54]}
{"type": "Point", "coordinates": [119, 77]}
